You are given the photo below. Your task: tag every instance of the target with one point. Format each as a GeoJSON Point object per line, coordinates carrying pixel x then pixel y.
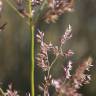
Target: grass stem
{"type": "Point", "coordinates": [32, 49]}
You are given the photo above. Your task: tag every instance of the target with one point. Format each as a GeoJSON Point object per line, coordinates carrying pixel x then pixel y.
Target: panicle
{"type": "Point", "coordinates": [67, 35]}
{"type": "Point", "coordinates": [69, 83]}
{"type": "Point", "coordinates": [57, 8]}
{"type": "Point", "coordinates": [11, 91]}
{"type": "Point", "coordinates": [67, 70]}
{"type": "Point", "coordinates": [70, 88]}
{"type": "Point", "coordinates": [80, 77]}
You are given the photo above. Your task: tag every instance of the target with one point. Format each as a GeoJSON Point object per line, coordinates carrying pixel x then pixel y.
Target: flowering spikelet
{"type": "Point", "coordinates": [42, 56]}
{"type": "Point", "coordinates": [45, 85]}
{"type": "Point", "coordinates": [51, 9]}
{"type": "Point", "coordinates": [11, 92]}
{"type": "Point", "coordinates": [55, 8]}
{"type": "Point", "coordinates": [77, 80]}
{"type": "Point", "coordinates": [67, 35]}
{"type": "Point", "coordinates": [80, 77]}
{"type": "Point", "coordinates": [67, 70]}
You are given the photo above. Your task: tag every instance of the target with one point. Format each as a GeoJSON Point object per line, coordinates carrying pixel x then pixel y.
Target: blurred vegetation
{"type": "Point", "coordinates": [15, 44]}
{"type": "Point", "coordinates": [14, 50]}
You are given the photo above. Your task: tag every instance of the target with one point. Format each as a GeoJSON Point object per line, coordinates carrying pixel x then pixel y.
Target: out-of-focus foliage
{"type": "Point", "coordinates": [14, 50]}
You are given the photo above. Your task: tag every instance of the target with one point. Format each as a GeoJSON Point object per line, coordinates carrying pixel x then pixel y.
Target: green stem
{"type": "Point", "coordinates": [32, 41]}
{"type": "Point", "coordinates": [32, 61]}
{"type": "Point", "coordinates": [32, 49]}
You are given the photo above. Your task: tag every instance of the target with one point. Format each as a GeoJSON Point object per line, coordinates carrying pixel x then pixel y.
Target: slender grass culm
{"type": "Point", "coordinates": [30, 23]}
{"type": "Point", "coordinates": [32, 48]}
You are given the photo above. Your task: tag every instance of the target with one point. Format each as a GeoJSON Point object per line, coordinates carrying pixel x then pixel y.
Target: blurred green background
{"type": "Point", "coordinates": [14, 50]}
{"type": "Point", "coordinates": [15, 44]}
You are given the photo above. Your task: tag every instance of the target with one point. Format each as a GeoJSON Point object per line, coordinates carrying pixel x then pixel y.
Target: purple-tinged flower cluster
{"type": "Point", "coordinates": [55, 8]}
{"type": "Point", "coordinates": [70, 88]}
{"type": "Point", "coordinates": [69, 84]}
{"type": "Point", "coordinates": [42, 57]}
{"type": "Point", "coordinates": [80, 77]}
{"type": "Point", "coordinates": [10, 91]}
{"type": "Point", "coordinates": [67, 35]}
{"type": "Point", "coordinates": [67, 70]}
